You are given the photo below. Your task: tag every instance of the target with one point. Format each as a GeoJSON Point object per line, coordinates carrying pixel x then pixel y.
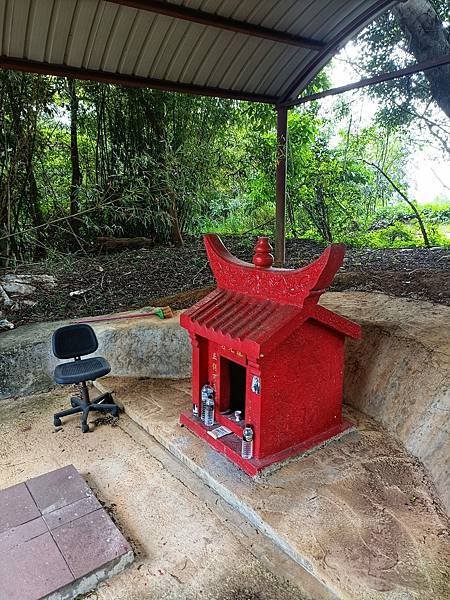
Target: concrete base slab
{"type": "Point", "coordinates": [60, 562]}
{"type": "Point", "coordinates": [359, 514]}
{"type": "Point", "coordinates": [230, 445]}
{"type": "Point", "coordinates": [385, 374]}
{"type": "Point", "coordinates": [399, 373]}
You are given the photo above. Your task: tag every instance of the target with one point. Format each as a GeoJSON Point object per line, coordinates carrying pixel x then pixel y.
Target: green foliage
{"type": "Point", "coordinates": [396, 226]}
{"type": "Point", "coordinates": [162, 165]}
{"type": "Point", "coordinates": [413, 100]}
{"type": "Point", "coordinates": [334, 194]}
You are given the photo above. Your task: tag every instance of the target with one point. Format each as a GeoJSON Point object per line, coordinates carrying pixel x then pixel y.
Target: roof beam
{"type": "Point", "coordinates": [213, 20]}
{"type": "Point", "coordinates": [322, 57]}
{"type": "Point", "coordinates": [131, 81]}
{"type": "Point", "coordinates": [432, 63]}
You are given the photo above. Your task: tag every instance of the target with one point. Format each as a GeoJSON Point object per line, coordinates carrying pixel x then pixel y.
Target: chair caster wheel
{"type": "Point", "coordinates": [73, 402]}
{"type": "Point", "coordinates": [84, 427]}
{"type": "Point", "coordinates": [115, 412]}
{"type": "Point", "coordinates": [57, 422]}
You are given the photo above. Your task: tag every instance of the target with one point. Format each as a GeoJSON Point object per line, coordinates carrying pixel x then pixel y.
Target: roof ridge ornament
{"type": "Point", "coordinates": [262, 280]}
{"type": "Point", "coordinates": [263, 257]}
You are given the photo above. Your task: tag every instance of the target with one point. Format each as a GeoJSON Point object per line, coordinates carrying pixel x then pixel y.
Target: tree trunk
{"type": "Point", "coordinates": [5, 228]}
{"type": "Point", "coordinates": [177, 237]}
{"type": "Point", "coordinates": [428, 38]}
{"type": "Point", "coordinates": [40, 250]}
{"type": "Point", "coordinates": [74, 156]}
{"type": "Point", "coordinates": [25, 127]}
{"type": "Point", "coordinates": [402, 194]}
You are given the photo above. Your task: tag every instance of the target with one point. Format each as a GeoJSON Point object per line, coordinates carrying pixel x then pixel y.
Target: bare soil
{"type": "Point", "coordinates": [180, 276]}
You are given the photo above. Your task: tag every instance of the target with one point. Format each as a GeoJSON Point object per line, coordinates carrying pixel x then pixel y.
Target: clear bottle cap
{"type": "Point", "coordinates": [248, 433]}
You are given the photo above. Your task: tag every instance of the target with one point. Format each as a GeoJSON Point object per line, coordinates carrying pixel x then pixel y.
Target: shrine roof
{"type": "Point", "coordinates": [239, 317]}
{"type": "Point", "coordinates": [256, 306]}
{"type": "Point", "coordinates": [282, 286]}
{"type": "Point", "coordinates": [252, 324]}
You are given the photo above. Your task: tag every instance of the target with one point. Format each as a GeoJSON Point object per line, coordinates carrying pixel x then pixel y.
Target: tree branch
{"type": "Point", "coordinates": [402, 194]}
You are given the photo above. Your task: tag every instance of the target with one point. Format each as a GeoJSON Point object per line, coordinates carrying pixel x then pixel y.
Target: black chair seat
{"type": "Point", "coordinates": [88, 369]}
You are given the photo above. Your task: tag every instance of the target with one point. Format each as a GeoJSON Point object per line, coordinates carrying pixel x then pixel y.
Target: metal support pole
{"type": "Point", "coordinates": [280, 212]}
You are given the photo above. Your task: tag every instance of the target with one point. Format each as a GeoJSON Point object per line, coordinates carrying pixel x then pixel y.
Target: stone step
{"type": "Point", "coordinates": [360, 514]}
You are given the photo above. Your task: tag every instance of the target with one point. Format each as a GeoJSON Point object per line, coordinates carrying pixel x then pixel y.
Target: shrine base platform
{"type": "Point", "coordinates": [360, 514]}
{"type": "Point", "coordinates": [230, 445]}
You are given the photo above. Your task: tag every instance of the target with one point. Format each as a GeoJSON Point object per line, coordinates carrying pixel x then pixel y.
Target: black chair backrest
{"type": "Point", "coordinates": [74, 340]}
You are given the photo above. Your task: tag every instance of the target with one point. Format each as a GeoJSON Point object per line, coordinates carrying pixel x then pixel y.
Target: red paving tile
{"type": "Point", "coordinates": [73, 511]}
{"type": "Point", "coordinates": [22, 533]}
{"type": "Point", "coordinates": [33, 570]}
{"type": "Point", "coordinates": [58, 488]}
{"type": "Point", "coordinates": [16, 507]}
{"type": "Point", "coordinates": [89, 542]}
{"type": "Point", "coordinates": [53, 532]}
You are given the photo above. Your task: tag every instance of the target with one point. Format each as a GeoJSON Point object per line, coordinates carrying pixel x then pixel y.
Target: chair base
{"type": "Point", "coordinates": [82, 404]}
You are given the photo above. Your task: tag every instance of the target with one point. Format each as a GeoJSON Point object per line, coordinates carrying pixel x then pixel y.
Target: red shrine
{"type": "Point", "coordinates": [268, 350]}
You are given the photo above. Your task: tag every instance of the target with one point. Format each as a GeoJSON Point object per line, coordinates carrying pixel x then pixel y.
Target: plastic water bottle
{"type": "Point", "coordinates": [209, 410]}
{"type": "Point", "coordinates": [206, 393]}
{"type": "Point", "coordinates": [247, 443]}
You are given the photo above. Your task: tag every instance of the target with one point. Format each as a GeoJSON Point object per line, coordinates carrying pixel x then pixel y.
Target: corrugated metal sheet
{"type": "Point", "coordinates": [111, 37]}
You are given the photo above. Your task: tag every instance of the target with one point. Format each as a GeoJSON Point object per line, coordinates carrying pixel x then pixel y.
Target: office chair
{"type": "Point", "coordinates": [75, 341]}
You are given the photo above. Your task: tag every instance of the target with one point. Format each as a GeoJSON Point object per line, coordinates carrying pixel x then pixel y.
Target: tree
{"type": "Point", "coordinates": [412, 30]}
{"type": "Point", "coordinates": [428, 38]}
{"type": "Point", "coordinates": [23, 100]}
{"type": "Point", "coordinates": [404, 197]}
{"type": "Point", "coordinates": [77, 178]}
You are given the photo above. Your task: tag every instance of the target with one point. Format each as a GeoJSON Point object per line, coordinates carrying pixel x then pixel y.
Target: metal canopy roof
{"type": "Point", "coordinates": [261, 50]}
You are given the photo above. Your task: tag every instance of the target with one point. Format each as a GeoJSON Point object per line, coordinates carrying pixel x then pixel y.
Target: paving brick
{"type": "Point", "coordinates": [90, 542]}
{"type": "Point", "coordinates": [22, 533]}
{"type": "Point", "coordinates": [59, 488]}
{"type": "Point", "coordinates": [16, 507]}
{"type": "Point", "coordinates": [35, 562]}
{"type": "Point", "coordinates": [32, 570]}
{"type": "Point", "coordinates": [73, 511]}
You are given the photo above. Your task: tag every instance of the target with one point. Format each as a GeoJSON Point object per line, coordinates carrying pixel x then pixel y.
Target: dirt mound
{"type": "Point", "coordinates": [98, 284]}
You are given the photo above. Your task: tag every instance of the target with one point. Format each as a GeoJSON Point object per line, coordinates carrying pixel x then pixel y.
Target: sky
{"type": "Point", "coordinates": [429, 171]}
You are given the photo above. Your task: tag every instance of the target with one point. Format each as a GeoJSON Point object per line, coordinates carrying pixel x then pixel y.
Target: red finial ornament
{"type": "Point", "coordinates": [263, 257]}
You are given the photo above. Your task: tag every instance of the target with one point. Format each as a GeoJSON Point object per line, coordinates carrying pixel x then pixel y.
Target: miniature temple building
{"type": "Point", "coordinates": [272, 355]}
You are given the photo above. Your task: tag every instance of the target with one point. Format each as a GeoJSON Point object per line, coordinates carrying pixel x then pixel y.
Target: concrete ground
{"type": "Point", "coordinates": [188, 543]}
{"type": "Point", "coordinates": [361, 514]}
